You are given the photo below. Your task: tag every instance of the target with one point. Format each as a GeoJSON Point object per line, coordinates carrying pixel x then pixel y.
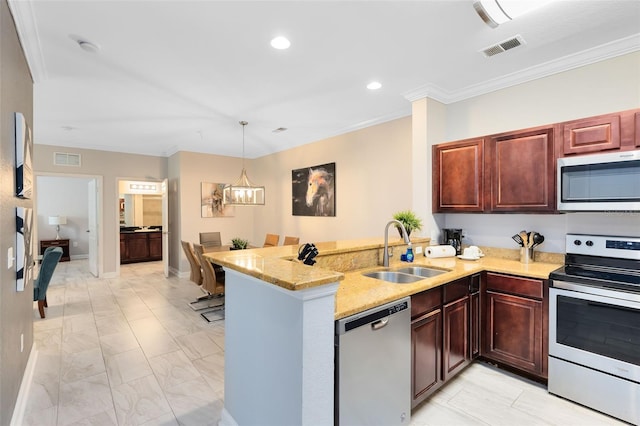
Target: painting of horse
{"type": "Point", "coordinates": [313, 190]}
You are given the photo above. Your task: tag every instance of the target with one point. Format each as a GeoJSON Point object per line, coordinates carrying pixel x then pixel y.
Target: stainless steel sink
{"type": "Point", "coordinates": [421, 271]}
{"type": "Point", "coordinates": [393, 277]}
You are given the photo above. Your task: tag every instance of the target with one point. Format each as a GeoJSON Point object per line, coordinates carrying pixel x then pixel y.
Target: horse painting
{"type": "Point", "coordinates": [320, 192]}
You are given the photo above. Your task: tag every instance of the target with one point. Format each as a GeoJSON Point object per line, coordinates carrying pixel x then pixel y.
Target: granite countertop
{"type": "Point", "coordinates": [356, 293]}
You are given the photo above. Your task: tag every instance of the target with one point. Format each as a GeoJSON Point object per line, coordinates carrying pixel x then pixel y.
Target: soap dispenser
{"type": "Point", "coordinates": [409, 253]}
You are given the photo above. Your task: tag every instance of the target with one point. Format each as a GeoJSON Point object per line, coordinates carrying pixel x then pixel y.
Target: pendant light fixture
{"type": "Point", "coordinates": [243, 192]}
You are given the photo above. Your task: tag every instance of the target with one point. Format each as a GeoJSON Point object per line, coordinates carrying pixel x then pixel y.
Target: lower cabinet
{"type": "Point", "coordinates": [426, 358]}
{"type": "Point", "coordinates": [140, 246]}
{"type": "Point", "coordinates": [515, 329]}
{"type": "Point", "coordinates": [442, 332]}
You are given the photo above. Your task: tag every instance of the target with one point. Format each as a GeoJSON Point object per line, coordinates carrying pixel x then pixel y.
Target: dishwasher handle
{"type": "Point", "coordinates": [380, 324]}
{"type": "Point", "coordinates": [376, 317]}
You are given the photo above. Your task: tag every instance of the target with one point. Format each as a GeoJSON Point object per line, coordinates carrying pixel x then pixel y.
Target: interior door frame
{"type": "Point", "coordinates": [165, 259]}
{"type": "Point", "coordinates": [99, 204]}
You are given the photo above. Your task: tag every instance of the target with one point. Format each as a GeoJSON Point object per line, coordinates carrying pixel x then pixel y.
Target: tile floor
{"type": "Point", "coordinates": [129, 351]}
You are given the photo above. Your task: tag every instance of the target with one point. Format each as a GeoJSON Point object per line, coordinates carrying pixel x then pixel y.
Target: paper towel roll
{"type": "Point", "coordinates": [440, 251]}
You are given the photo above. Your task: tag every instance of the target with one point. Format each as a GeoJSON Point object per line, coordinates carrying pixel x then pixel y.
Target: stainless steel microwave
{"type": "Point", "coordinates": [599, 182]}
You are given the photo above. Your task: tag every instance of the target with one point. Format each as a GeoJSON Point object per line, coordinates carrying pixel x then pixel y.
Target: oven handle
{"type": "Point", "coordinates": [624, 296]}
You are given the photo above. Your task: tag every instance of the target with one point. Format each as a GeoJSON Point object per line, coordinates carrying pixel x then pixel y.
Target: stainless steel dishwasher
{"type": "Point", "coordinates": [373, 366]}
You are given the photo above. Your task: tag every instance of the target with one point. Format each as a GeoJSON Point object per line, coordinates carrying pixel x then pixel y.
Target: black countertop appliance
{"type": "Point", "coordinates": [453, 237]}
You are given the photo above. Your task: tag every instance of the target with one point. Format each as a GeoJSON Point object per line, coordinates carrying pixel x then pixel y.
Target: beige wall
{"type": "Point", "coordinates": [187, 171]}
{"type": "Point", "coordinates": [600, 88]}
{"type": "Point", "coordinates": [112, 166]}
{"type": "Point", "coordinates": [16, 308]}
{"type": "Point", "coordinates": [373, 180]}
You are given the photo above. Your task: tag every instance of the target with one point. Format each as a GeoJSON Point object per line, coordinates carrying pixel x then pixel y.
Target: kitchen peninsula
{"type": "Point", "coordinates": [279, 347]}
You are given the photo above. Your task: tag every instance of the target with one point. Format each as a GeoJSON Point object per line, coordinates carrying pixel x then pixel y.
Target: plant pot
{"type": "Point", "coordinates": [400, 231]}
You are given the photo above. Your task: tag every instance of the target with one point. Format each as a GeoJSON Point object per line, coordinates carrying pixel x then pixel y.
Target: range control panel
{"type": "Point", "coordinates": [604, 245]}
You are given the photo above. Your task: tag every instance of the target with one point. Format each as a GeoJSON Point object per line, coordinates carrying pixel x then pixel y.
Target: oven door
{"type": "Point", "coordinates": [595, 327]}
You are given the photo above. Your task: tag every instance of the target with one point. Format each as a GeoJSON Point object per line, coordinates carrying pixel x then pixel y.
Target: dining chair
{"type": "Point", "coordinates": [50, 260]}
{"type": "Point", "coordinates": [196, 271]}
{"type": "Point", "coordinates": [211, 286]}
{"type": "Point", "coordinates": [210, 239]}
{"type": "Point", "coordinates": [271, 240]}
{"type": "Point", "coordinates": [291, 241]}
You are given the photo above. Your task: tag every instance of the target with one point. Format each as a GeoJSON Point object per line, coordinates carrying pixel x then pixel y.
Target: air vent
{"type": "Point", "coordinates": [66, 159]}
{"type": "Point", "coordinates": [503, 46]}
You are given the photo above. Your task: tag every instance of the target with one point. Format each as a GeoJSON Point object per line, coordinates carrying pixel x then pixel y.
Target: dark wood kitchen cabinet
{"type": "Point", "coordinates": [593, 134]}
{"type": "Point", "coordinates": [441, 335]}
{"type": "Point", "coordinates": [426, 344]}
{"type": "Point", "coordinates": [140, 246]}
{"type": "Point", "coordinates": [455, 317]}
{"type": "Point", "coordinates": [458, 176]}
{"type": "Point", "coordinates": [475, 315]}
{"type": "Point", "coordinates": [522, 169]}
{"type": "Point", "coordinates": [516, 323]}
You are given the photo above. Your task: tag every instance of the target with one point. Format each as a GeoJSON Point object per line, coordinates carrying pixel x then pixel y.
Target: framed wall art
{"type": "Point", "coordinates": [313, 190]}
{"type": "Point", "coordinates": [24, 157]}
{"type": "Point", "coordinates": [24, 248]}
{"type": "Point", "coordinates": [211, 201]}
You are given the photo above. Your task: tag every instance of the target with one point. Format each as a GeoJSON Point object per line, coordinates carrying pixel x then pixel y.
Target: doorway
{"type": "Point", "coordinates": [75, 203]}
{"type": "Point", "coordinates": [143, 210]}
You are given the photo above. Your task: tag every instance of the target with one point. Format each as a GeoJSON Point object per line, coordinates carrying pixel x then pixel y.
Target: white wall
{"type": "Point", "coordinates": [64, 196]}
{"type": "Point", "coordinates": [608, 86]}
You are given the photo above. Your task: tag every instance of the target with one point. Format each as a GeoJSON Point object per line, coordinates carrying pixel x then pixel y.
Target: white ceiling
{"type": "Point", "coordinates": [179, 75]}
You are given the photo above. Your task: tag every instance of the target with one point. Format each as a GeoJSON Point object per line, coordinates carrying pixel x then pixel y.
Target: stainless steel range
{"type": "Point", "coordinates": [594, 325]}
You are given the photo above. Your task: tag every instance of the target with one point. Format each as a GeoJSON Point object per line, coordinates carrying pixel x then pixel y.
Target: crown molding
{"type": "Point", "coordinates": [25, 20]}
{"type": "Point", "coordinates": [586, 57]}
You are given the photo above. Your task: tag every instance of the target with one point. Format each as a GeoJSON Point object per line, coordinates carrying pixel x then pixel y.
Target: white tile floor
{"type": "Point", "coordinates": [129, 351]}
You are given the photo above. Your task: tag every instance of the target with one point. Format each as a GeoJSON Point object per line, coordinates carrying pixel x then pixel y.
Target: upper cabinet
{"type": "Point", "coordinates": [458, 176]}
{"type": "Point", "coordinates": [522, 169]}
{"type": "Point", "coordinates": [516, 171]}
{"type": "Point", "coordinates": [592, 134]}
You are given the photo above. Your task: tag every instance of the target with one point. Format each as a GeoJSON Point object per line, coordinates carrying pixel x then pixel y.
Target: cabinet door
{"type": "Point", "coordinates": [513, 331]}
{"type": "Point", "coordinates": [522, 167]}
{"type": "Point", "coordinates": [458, 176]}
{"type": "Point", "coordinates": [474, 313]}
{"type": "Point", "coordinates": [426, 362]}
{"type": "Point", "coordinates": [155, 246]}
{"type": "Point", "coordinates": [455, 353]}
{"type": "Point", "coordinates": [591, 134]}
{"type": "Point", "coordinates": [123, 248]}
{"type": "Point", "coordinates": [138, 246]}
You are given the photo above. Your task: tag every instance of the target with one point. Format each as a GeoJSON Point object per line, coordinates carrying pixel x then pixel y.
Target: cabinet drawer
{"type": "Point", "coordinates": [426, 301]}
{"type": "Point", "coordinates": [526, 287]}
{"type": "Point", "coordinates": [456, 290]}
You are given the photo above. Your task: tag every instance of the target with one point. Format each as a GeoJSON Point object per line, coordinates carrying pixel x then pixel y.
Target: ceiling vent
{"type": "Point", "coordinates": [503, 46]}
{"type": "Point", "coordinates": [66, 159]}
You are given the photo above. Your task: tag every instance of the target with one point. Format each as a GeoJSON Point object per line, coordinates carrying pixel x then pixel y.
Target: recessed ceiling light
{"type": "Point", "coordinates": [280, 43]}
{"type": "Point", "coordinates": [374, 85]}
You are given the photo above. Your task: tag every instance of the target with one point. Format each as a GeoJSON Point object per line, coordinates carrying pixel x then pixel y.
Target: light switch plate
{"type": "Point", "coordinates": [10, 258]}
{"type": "Point", "coordinates": [418, 249]}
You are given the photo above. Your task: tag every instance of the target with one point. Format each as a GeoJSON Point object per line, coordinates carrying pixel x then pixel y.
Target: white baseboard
{"type": "Point", "coordinates": [79, 256]}
{"type": "Point", "coordinates": [25, 387]}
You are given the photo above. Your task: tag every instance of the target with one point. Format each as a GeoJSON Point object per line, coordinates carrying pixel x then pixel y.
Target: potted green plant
{"type": "Point", "coordinates": [239, 244]}
{"type": "Point", "coordinates": [409, 220]}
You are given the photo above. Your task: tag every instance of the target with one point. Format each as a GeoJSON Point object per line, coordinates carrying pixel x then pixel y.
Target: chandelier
{"type": "Point", "coordinates": [243, 192]}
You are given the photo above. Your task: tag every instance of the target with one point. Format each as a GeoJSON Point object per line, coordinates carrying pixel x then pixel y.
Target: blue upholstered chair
{"type": "Point", "coordinates": [50, 260]}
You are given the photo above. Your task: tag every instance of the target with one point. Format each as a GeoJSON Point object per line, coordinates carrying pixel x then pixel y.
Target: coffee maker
{"type": "Point", "coordinates": [453, 237]}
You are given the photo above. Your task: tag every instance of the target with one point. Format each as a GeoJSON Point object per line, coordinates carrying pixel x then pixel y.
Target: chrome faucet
{"type": "Point", "coordinates": [385, 256]}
